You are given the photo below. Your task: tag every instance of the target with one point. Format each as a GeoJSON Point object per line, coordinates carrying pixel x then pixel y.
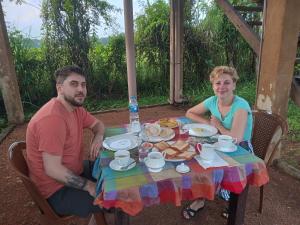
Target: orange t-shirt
{"type": "Point", "coordinates": [55, 130]}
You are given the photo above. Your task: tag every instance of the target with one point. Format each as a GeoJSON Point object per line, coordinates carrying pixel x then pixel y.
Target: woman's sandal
{"type": "Point", "coordinates": [188, 213]}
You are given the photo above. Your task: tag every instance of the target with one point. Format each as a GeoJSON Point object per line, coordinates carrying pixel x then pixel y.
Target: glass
{"type": "Point", "coordinates": [143, 153]}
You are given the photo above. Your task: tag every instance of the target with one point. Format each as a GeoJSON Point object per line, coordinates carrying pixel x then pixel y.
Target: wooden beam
{"type": "Point", "coordinates": [276, 66]}
{"type": "Point", "coordinates": [8, 78]}
{"type": "Point", "coordinates": [248, 8]}
{"type": "Point", "coordinates": [237, 20]}
{"type": "Point", "coordinates": [130, 50]}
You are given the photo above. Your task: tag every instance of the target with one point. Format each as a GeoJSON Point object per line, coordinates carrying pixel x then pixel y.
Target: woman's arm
{"type": "Point", "coordinates": [196, 113]}
{"type": "Point", "coordinates": [238, 125]}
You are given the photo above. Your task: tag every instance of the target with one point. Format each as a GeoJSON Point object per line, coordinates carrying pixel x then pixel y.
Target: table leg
{"type": "Point", "coordinates": [121, 218]}
{"type": "Point", "coordinates": [237, 207]}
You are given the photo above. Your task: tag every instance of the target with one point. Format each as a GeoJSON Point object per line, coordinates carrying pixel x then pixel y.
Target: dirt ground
{"type": "Point", "coordinates": [281, 202]}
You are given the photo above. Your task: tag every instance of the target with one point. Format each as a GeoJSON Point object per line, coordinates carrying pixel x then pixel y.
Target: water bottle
{"type": "Point", "coordinates": [135, 125]}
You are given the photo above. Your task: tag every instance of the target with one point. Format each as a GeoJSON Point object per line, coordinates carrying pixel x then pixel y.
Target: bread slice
{"type": "Point", "coordinates": [170, 153]}
{"type": "Point", "coordinates": [186, 155]}
{"type": "Point", "coordinates": [181, 145]}
{"type": "Point", "coordinates": [165, 132]}
{"type": "Point", "coordinates": [161, 145]}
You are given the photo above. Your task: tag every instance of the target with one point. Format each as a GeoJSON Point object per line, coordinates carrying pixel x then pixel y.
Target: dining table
{"type": "Point", "coordinates": [130, 191]}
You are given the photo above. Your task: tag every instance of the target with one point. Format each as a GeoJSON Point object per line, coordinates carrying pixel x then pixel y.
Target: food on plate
{"type": "Point", "coordinates": [167, 122]}
{"type": "Point", "coordinates": [166, 132]}
{"type": "Point", "coordinates": [186, 155]}
{"type": "Point", "coordinates": [161, 145]}
{"type": "Point", "coordinates": [152, 130]}
{"type": "Point", "coordinates": [181, 145]}
{"type": "Point", "coordinates": [147, 145]}
{"type": "Point", "coordinates": [170, 153]}
{"type": "Point", "coordinates": [198, 130]}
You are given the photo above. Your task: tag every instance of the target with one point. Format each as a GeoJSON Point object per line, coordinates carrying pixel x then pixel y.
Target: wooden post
{"type": "Point", "coordinates": [8, 79]}
{"type": "Point", "coordinates": [278, 53]}
{"type": "Point", "coordinates": [178, 95]}
{"type": "Point", "coordinates": [172, 50]}
{"type": "Point", "coordinates": [130, 51]}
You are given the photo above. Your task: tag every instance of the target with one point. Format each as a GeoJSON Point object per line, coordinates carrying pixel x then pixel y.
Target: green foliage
{"type": "Point", "coordinates": [293, 121]}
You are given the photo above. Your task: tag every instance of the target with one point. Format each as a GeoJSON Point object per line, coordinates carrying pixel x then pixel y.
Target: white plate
{"type": "Point", "coordinates": [207, 130]}
{"type": "Point", "coordinates": [191, 149]}
{"type": "Point", "coordinates": [158, 138]}
{"type": "Point", "coordinates": [232, 148]}
{"type": "Point", "coordinates": [121, 142]}
{"type": "Point", "coordinates": [116, 166]}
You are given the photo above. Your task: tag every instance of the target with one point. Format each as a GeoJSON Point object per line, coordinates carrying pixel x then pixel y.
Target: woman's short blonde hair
{"type": "Point", "coordinates": [219, 70]}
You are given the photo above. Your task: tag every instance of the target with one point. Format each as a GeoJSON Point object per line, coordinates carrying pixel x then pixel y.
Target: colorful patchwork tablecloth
{"type": "Point", "coordinates": [136, 188]}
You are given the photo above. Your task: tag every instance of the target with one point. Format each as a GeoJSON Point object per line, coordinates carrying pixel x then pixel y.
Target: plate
{"type": "Point", "coordinates": [159, 138]}
{"type": "Point", "coordinates": [120, 142]}
{"type": "Point", "coordinates": [200, 130]}
{"type": "Point", "coordinates": [167, 122]}
{"type": "Point", "coordinates": [191, 149]}
{"type": "Point", "coordinates": [232, 148]}
{"type": "Point", "coordinates": [116, 166]}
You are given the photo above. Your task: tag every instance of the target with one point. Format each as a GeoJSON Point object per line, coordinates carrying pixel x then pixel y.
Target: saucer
{"type": "Point", "coordinates": [206, 160]}
{"type": "Point", "coordinates": [116, 166]}
{"type": "Point", "coordinates": [182, 168]}
{"type": "Point", "coordinates": [155, 170]}
{"type": "Point", "coordinates": [231, 148]}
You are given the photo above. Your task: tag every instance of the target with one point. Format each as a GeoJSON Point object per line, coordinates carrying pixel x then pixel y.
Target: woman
{"type": "Point", "coordinates": [230, 114]}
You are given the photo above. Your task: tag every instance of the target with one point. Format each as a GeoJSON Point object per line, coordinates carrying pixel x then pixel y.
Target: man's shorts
{"type": "Point", "coordinates": [72, 201]}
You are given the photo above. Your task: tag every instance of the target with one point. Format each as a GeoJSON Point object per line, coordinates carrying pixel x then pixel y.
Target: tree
{"type": "Point", "coordinates": [67, 27]}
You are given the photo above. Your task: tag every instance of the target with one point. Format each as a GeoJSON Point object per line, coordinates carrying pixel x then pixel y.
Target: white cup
{"type": "Point", "coordinates": [122, 157]}
{"type": "Point", "coordinates": [155, 160]}
{"type": "Point", "coordinates": [207, 152]}
{"type": "Point", "coordinates": [226, 141]}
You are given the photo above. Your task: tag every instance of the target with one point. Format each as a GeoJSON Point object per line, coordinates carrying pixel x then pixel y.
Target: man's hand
{"type": "Point", "coordinates": [96, 145]}
{"type": "Point", "coordinates": [90, 187]}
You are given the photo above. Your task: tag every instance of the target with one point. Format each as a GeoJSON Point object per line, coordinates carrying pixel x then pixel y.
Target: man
{"type": "Point", "coordinates": [55, 149]}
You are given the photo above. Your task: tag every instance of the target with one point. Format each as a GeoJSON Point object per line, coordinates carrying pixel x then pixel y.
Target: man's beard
{"type": "Point", "coordinates": [72, 101]}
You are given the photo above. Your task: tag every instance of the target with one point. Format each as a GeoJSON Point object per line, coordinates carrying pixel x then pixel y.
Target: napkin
{"type": "Point", "coordinates": [216, 162]}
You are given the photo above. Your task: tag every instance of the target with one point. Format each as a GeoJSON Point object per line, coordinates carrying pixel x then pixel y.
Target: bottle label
{"type": "Point", "coordinates": [133, 108]}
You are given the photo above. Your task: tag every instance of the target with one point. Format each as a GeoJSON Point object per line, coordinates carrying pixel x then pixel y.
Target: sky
{"type": "Point", "coordinates": [26, 17]}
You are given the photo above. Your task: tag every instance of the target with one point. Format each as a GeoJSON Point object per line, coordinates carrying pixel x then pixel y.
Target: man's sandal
{"type": "Point", "coordinates": [188, 213]}
{"type": "Point", "coordinates": [225, 213]}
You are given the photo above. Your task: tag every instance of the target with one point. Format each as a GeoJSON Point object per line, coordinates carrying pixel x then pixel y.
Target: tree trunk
{"type": "Point", "coordinates": [8, 79]}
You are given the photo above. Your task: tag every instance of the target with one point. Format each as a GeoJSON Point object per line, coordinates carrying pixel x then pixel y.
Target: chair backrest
{"type": "Point", "coordinates": [18, 162]}
{"type": "Point", "coordinates": [267, 132]}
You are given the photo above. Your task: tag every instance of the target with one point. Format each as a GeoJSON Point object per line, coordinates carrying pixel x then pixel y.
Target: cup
{"type": "Point", "coordinates": [226, 141]}
{"type": "Point", "coordinates": [207, 152]}
{"type": "Point", "coordinates": [122, 157]}
{"type": "Point", "coordinates": [155, 160]}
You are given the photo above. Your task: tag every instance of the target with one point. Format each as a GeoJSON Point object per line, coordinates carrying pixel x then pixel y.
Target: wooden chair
{"type": "Point", "coordinates": [267, 132]}
{"type": "Point", "coordinates": [18, 162]}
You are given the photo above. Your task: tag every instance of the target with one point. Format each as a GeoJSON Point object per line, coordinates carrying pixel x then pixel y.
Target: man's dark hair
{"type": "Point", "coordinates": [62, 73]}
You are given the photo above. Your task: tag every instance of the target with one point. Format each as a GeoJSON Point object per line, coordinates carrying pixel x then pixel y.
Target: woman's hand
{"type": "Point", "coordinates": [215, 122]}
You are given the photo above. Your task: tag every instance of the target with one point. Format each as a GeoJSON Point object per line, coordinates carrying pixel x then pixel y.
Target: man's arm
{"type": "Point", "coordinates": [54, 169]}
{"type": "Point", "coordinates": [98, 129]}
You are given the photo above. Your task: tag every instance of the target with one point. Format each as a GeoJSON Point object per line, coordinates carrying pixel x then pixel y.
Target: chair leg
{"type": "Point", "coordinates": [100, 218]}
{"type": "Point", "coordinates": [261, 199]}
